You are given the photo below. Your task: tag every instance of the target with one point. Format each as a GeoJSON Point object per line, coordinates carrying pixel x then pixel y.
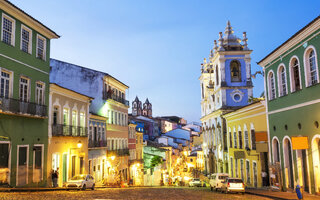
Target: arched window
{"type": "Point", "coordinates": [311, 69]}
{"type": "Point", "coordinates": [282, 80]}
{"type": "Point", "coordinates": [202, 92]}
{"type": "Point", "coordinates": [217, 75]}
{"type": "Point", "coordinates": [295, 74]}
{"type": "Point", "coordinates": [235, 71]}
{"type": "Point", "coordinates": [271, 86]}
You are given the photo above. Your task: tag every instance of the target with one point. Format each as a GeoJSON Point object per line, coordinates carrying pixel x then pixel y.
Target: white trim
{"type": "Point", "coordinates": [273, 159]}
{"type": "Point", "coordinates": [295, 106]}
{"type": "Point", "coordinates": [248, 116]}
{"type": "Point", "coordinates": [30, 38]}
{"type": "Point", "coordinates": [316, 186]}
{"type": "Point", "coordinates": [44, 47]}
{"type": "Point", "coordinates": [42, 157]}
{"type": "Point", "coordinates": [27, 167]}
{"type": "Point", "coordinates": [13, 33]}
{"type": "Point", "coordinates": [307, 76]}
{"type": "Point", "coordinates": [23, 64]}
{"type": "Point", "coordinates": [280, 90]}
{"type": "Point", "coordinates": [253, 181]}
{"type": "Point", "coordinates": [284, 159]}
{"type": "Point", "coordinates": [269, 85]}
{"type": "Point", "coordinates": [292, 84]}
{"type": "Point", "coordinates": [249, 172]}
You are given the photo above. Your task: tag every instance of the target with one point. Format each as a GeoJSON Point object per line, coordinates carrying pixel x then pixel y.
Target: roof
{"type": "Point", "coordinates": [106, 74]}
{"type": "Point", "coordinates": [97, 115]}
{"type": "Point", "coordinates": [71, 90]}
{"type": "Point", "coordinates": [179, 133]}
{"type": "Point", "coordinates": [297, 33]}
{"type": "Point", "coordinates": [23, 12]}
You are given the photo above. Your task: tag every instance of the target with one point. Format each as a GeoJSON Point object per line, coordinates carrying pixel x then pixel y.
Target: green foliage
{"type": "Point", "coordinates": [156, 160]}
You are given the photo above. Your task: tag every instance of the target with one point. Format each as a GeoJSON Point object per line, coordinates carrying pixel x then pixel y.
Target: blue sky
{"type": "Point", "coordinates": [156, 47]}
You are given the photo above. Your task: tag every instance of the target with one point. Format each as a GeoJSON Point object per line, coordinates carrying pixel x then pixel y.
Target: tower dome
{"type": "Point", "coordinates": [230, 39]}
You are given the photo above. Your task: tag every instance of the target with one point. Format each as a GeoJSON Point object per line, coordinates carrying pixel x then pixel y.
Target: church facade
{"type": "Point", "coordinates": [138, 109]}
{"type": "Point", "coordinates": [226, 85]}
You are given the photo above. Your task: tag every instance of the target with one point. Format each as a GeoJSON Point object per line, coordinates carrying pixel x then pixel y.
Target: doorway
{"type": "Point", "coordinates": [316, 161]}
{"type": "Point", "coordinates": [64, 167]}
{"type": "Point", "coordinates": [22, 165]}
{"type": "Point", "coordinates": [302, 169]}
{"type": "Point", "coordinates": [288, 167]}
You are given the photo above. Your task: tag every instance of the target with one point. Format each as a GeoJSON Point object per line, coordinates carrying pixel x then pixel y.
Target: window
{"type": "Point", "coordinates": [112, 117]}
{"type": "Point", "coordinates": [241, 169]}
{"type": "Point", "coordinates": [235, 139]}
{"type": "Point", "coordinates": [40, 93]}
{"type": "Point", "coordinates": [109, 116]}
{"type": "Point", "coordinates": [24, 89]}
{"type": "Point", "coordinates": [253, 139]}
{"type": "Point", "coordinates": [65, 116]}
{"type": "Point", "coordinates": [217, 75]}
{"type": "Point", "coordinates": [248, 171]}
{"type": "Point", "coordinates": [295, 75]}
{"type": "Point", "coordinates": [246, 139]}
{"type": "Point", "coordinates": [74, 122]}
{"type": "Point", "coordinates": [8, 30]}
{"type": "Point", "coordinates": [55, 115]}
{"type": "Point", "coordinates": [82, 119]}
{"type": "Point", "coordinates": [311, 69]}
{"type": "Point", "coordinates": [41, 47]}
{"type": "Point", "coordinates": [235, 71]}
{"type": "Point", "coordinates": [271, 86]}
{"type": "Point", "coordinates": [26, 39]}
{"type": "Point", "coordinates": [230, 139]}
{"type": "Point", "coordinates": [236, 167]}
{"type": "Point", "coordinates": [5, 84]}
{"type": "Point", "coordinates": [240, 140]}
{"type": "Point", "coordinates": [231, 166]}
{"type": "Point", "coordinates": [282, 81]}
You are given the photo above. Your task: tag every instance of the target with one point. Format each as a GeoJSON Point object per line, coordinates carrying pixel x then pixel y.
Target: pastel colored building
{"type": "Point", "coordinates": [226, 85]}
{"type": "Point", "coordinates": [293, 103]}
{"type": "Point", "coordinates": [248, 143]}
{"type": "Point", "coordinates": [67, 133]}
{"type": "Point", "coordinates": [24, 97]}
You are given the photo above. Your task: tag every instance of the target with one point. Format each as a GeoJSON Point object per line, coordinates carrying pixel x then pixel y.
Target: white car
{"type": "Point", "coordinates": [195, 182]}
{"type": "Point", "coordinates": [233, 185]}
{"type": "Point", "coordinates": [81, 181]}
{"type": "Point", "coordinates": [216, 180]}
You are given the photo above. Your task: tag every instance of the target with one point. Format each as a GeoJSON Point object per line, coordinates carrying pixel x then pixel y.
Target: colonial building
{"type": "Point", "coordinates": [225, 85]}
{"type": "Point", "coordinates": [24, 97]}
{"type": "Point", "coordinates": [248, 144]}
{"type": "Point", "coordinates": [108, 121]}
{"type": "Point", "coordinates": [293, 103]}
{"type": "Point", "coordinates": [68, 131]}
{"type": "Point", "coordinates": [138, 110]}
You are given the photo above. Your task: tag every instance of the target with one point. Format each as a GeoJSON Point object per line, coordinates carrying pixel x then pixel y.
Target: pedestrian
{"type": "Point", "coordinates": [53, 178]}
{"type": "Point", "coordinates": [298, 191]}
{"type": "Point", "coordinates": [264, 178]}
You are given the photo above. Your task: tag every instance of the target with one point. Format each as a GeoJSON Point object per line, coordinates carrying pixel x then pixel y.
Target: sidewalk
{"type": "Point", "coordinates": [281, 195]}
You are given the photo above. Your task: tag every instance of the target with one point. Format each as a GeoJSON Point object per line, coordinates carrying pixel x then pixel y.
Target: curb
{"type": "Point", "coordinates": [263, 195]}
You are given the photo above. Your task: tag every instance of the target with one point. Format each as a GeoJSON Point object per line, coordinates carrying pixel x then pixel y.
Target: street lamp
{"type": "Point", "coordinates": [79, 145]}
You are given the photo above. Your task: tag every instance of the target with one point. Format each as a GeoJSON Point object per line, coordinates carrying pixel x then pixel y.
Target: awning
{"type": "Point", "coordinates": [261, 136]}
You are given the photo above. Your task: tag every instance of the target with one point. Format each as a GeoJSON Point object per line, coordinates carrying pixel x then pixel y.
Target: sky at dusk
{"type": "Point", "coordinates": [156, 46]}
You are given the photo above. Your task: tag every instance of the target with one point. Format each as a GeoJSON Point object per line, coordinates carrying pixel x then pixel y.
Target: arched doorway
{"type": "Point", "coordinates": [288, 166]}
{"type": "Point", "coordinates": [275, 150]}
{"type": "Point", "coordinates": [316, 161]}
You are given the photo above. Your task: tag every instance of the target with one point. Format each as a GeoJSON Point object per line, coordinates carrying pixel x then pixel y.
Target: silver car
{"type": "Point", "coordinates": [195, 182]}
{"type": "Point", "coordinates": [233, 185]}
{"type": "Point", "coordinates": [81, 181]}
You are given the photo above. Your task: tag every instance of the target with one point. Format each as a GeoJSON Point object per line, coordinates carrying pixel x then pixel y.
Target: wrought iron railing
{"type": "Point", "coordinates": [21, 107]}
{"type": "Point", "coordinates": [97, 143]}
{"type": "Point", "coordinates": [67, 130]}
{"type": "Point", "coordinates": [107, 96]}
{"type": "Point", "coordinates": [119, 152]}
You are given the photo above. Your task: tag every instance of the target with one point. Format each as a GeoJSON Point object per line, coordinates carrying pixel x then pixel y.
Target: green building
{"type": "Point", "coordinates": [24, 97]}
{"type": "Point", "coordinates": [293, 109]}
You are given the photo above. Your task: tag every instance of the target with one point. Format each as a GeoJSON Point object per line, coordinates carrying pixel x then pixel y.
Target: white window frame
{"type": "Point", "coordinates": [13, 28]}
{"type": "Point", "coordinates": [247, 160]}
{"type": "Point", "coordinates": [253, 181]}
{"type": "Point", "coordinates": [307, 73]}
{"type": "Point", "coordinates": [291, 65]}
{"type": "Point", "coordinates": [280, 81]}
{"type": "Point", "coordinates": [44, 47]}
{"type": "Point", "coordinates": [231, 166]}
{"type": "Point", "coordinates": [270, 96]}
{"type": "Point", "coordinates": [34, 162]}
{"type": "Point", "coordinates": [18, 146]}
{"type": "Point", "coordinates": [30, 39]}
{"type": "Point", "coordinates": [11, 75]}
{"type": "Point", "coordinates": [43, 92]}
{"type": "Point", "coordinates": [28, 89]}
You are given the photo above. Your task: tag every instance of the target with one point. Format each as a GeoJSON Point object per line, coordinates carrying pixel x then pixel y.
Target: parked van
{"type": "Point", "coordinates": [216, 180]}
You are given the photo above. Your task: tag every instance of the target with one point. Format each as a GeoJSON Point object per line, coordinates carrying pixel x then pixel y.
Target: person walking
{"type": "Point", "coordinates": [264, 178]}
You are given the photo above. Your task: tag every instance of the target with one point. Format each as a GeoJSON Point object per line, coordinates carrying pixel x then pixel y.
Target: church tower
{"type": "Point", "coordinates": [147, 109]}
{"type": "Point", "coordinates": [226, 85]}
{"type": "Point", "coordinates": [136, 107]}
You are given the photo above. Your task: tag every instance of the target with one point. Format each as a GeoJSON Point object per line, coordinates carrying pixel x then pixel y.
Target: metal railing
{"type": "Point", "coordinates": [68, 130]}
{"type": "Point", "coordinates": [21, 107]}
{"type": "Point", "coordinates": [97, 143]}
{"type": "Point", "coordinates": [119, 152]}
{"type": "Point", "coordinates": [107, 96]}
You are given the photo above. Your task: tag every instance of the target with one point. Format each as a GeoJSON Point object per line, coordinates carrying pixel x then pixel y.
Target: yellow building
{"type": "Point", "coordinates": [247, 144]}
{"type": "Point", "coordinates": [68, 131]}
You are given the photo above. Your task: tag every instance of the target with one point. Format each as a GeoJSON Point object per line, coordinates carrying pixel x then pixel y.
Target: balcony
{"type": "Point", "coordinates": [67, 130]}
{"type": "Point", "coordinates": [97, 144]}
{"type": "Point", "coordinates": [119, 99]}
{"type": "Point", "coordinates": [118, 152]}
{"type": "Point", "coordinates": [20, 107]}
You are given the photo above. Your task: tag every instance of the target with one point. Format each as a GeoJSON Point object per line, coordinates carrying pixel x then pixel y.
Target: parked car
{"type": "Point", "coordinates": [195, 182]}
{"type": "Point", "coordinates": [81, 181]}
{"type": "Point", "coordinates": [233, 185]}
{"type": "Point", "coordinates": [216, 179]}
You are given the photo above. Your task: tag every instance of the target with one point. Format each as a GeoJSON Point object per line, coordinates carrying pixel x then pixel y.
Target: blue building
{"type": "Point", "coordinates": [225, 86]}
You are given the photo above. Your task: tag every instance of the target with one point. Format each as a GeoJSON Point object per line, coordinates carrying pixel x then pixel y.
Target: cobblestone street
{"type": "Point", "coordinates": [128, 193]}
